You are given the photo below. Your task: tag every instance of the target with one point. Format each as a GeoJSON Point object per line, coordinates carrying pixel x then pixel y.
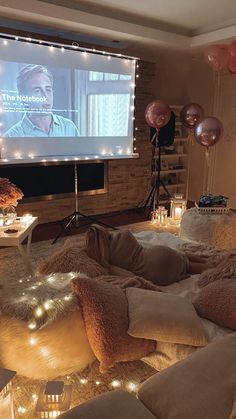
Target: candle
{"type": "Point", "coordinates": [26, 219]}
{"type": "Point", "coordinates": [178, 213]}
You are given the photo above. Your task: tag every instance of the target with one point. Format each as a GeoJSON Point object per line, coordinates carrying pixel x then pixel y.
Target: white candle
{"type": "Point", "coordinates": [26, 219]}
{"type": "Point", "coordinates": [178, 213]}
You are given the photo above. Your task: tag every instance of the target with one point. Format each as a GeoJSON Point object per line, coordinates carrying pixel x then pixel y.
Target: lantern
{"type": "Point", "coordinates": [54, 399]}
{"type": "Point", "coordinates": [177, 208]}
{"type": "Point", "coordinates": [6, 397]}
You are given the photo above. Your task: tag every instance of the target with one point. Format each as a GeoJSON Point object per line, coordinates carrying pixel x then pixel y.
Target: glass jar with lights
{"type": "Point", "coordinates": [177, 207]}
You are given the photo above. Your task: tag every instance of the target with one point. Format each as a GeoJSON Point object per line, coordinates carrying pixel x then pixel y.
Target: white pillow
{"type": "Point", "coordinates": [164, 317]}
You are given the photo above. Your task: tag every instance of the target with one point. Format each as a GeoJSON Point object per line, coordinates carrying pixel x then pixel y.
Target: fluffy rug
{"type": "Point", "coordinates": [86, 384]}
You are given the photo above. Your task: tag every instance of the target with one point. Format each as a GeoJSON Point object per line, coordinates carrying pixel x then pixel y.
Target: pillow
{"type": "Point", "coordinates": [217, 302]}
{"type": "Point", "coordinates": [105, 312]}
{"type": "Point", "coordinates": [164, 317]}
{"type": "Point", "coordinates": [71, 259]}
{"type": "Point", "coordinates": [233, 413]}
{"type": "Point", "coordinates": [202, 386]}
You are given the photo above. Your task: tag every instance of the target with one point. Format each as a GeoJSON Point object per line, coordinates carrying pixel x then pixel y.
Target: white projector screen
{"type": "Point", "coordinates": [60, 102]}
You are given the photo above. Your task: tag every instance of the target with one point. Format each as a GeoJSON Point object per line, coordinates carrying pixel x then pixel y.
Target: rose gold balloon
{"type": "Point", "coordinates": [216, 56]}
{"type": "Point", "coordinates": [191, 114]}
{"type": "Point", "coordinates": [209, 131]}
{"type": "Point", "coordinates": [157, 114]}
{"type": "Point", "coordinates": [232, 68]}
{"type": "Point", "coordinates": [232, 53]}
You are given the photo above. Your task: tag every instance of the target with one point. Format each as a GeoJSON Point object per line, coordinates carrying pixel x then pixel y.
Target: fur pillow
{"type": "Point", "coordinates": [217, 302]}
{"type": "Point", "coordinates": [105, 312]}
{"type": "Point", "coordinates": [71, 259]}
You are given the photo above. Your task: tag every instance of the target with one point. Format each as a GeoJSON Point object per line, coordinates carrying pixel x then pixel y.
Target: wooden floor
{"type": "Point", "coordinates": [135, 220]}
{"type": "Point", "coordinates": [49, 231]}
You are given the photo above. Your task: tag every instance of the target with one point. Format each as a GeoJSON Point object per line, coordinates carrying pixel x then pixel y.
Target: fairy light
{"type": "Point", "coordinates": [97, 383]}
{"type": "Point", "coordinates": [63, 47]}
{"type": "Point", "coordinates": [115, 383]}
{"type": "Point", "coordinates": [47, 305]}
{"type": "Point", "coordinates": [32, 341]}
{"type": "Point", "coordinates": [38, 312]}
{"type": "Point", "coordinates": [130, 386]}
{"type": "Point", "coordinates": [32, 325]}
{"type": "Point", "coordinates": [83, 381]}
{"type": "Point", "coordinates": [21, 409]}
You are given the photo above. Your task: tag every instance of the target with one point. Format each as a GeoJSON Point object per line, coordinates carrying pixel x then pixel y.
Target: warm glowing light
{"type": "Point", "coordinates": [38, 312]}
{"type": "Point", "coordinates": [47, 305]}
{"type": "Point", "coordinates": [32, 341]}
{"type": "Point", "coordinates": [115, 383]}
{"type": "Point", "coordinates": [132, 386]}
{"type": "Point", "coordinates": [62, 49]}
{"type": "Point", "coordinates": [32, 325]}
{"type": "Point", "coordinates": [97, 383]}
{"type": "Point", "coordinates": [178, 212]}
{"type": "Point", "coordinates": [5, 42]}
{"type": "Point", "coordinates": [26, 218]}
{"type": "Point", "coordinates": [21, 409]}
{"type": "Point", "coordinates": [83, 381]}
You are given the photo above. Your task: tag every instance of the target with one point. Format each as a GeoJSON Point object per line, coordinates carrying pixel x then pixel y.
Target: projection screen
{"type": "Point", "coordinates": [60, 102]}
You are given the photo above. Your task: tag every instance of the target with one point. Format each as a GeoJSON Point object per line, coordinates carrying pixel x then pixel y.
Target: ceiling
{"type": "Point", "coordinates": [178, 24]}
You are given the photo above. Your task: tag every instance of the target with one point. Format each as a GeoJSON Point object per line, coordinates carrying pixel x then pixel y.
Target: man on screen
{"type": "Point", "coordinates": [35, 87]}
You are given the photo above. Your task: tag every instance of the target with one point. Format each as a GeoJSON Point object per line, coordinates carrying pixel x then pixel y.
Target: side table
{"type": "Point", "coordinates": [24, 230]}
{"type": "Point", "coordinates": [217, 230]}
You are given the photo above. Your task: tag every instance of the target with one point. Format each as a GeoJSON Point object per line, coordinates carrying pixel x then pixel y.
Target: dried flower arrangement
{"type": "Point", "coordinates": [9, 194]}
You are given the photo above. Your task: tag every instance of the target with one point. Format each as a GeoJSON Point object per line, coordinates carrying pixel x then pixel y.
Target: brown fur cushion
{"type": "Point", "coordinates": [105, 312]}
{"type": "Point", "coordinates": [72, 259]}
{"type": "Point", "coordinates": [217, 302]}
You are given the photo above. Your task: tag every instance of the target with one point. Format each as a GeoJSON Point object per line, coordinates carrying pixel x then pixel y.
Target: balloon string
{"type": "Point", "coordinates": [190, 142]}
{"type": "Point", "coordinates": [210, 167]}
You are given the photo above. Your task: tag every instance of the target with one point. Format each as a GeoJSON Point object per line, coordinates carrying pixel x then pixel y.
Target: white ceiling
{"type": "Point", "coordinates": [195, 16]}
{"type": "Point", "coordinates": [178, 24]}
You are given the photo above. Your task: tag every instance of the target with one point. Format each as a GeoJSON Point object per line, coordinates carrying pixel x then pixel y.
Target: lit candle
{"type": "Point", "coordinates": [178, 213]}
{"type": "Point", "coordinates": [26, 219]}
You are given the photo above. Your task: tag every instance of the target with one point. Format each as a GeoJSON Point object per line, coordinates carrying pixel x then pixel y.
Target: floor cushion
{"type": "Point", "coordinates": [201, 386]}
{"type": "Point", "coordinates": [115, 405]}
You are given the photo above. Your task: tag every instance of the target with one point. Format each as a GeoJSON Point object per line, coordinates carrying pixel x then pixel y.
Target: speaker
{"type": "Point", "coordinates": [166, 134]}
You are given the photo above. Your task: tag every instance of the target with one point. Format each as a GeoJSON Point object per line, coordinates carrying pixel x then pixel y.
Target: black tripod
{"type": "Point", "coordinates": [153, 198]}
{"type": "Point", "coordinates": [73, 219]}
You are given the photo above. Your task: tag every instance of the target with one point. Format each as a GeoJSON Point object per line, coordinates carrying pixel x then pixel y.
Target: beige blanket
{"type": "Point", "coordinates": [158, 264]}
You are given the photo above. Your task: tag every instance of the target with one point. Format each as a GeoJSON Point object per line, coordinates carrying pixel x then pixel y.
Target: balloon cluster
{"type": "Point", "coordinates": [220, 56]}
{"type": "Point", "coordinates": [207, 130]}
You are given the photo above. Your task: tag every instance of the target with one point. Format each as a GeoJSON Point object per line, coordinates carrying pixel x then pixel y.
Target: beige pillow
{"type": "Point", "coordinates": [105, 313]}
{"type": "Point", "coordinates": [202, 386]}
{"type": "Point", "coordinates": [164, 317]}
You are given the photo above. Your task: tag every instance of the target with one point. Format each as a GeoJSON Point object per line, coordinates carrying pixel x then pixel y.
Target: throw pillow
{"type": "Point", "coordinates": [164, 317]}
{"type": "Point", "coordinates": [71, 259]}
{"type": "Point", "coordinates": [202, 386]}
{"type": "Point", "coordinates": [217, 302]}
{"type": "Point", "coordinates": [105, 312]}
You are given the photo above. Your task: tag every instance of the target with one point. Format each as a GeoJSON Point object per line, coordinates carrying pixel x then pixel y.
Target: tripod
{"type": "Point", "coordinates": [73, 219]}
{"type": "Point", "coordinates": [153, 198]}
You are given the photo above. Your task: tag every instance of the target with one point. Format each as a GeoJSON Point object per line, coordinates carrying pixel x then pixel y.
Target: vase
{"type": "Point", "coordinates": [7, 216]}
